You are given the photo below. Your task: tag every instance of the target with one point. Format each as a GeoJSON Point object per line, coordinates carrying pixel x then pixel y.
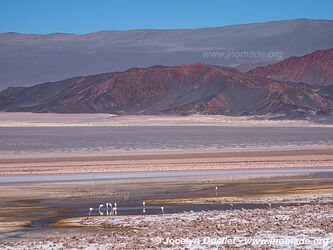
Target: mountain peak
{"type": "Point", "coordinates": [315, 68]}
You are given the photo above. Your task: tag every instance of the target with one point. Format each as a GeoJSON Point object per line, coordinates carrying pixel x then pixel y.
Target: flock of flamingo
{"type": "Point", "coordinates": [114, 209]}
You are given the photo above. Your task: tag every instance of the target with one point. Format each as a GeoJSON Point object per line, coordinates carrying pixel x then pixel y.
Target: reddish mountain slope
{"type": "Point", "coordinates": [185, 89]}
{"type": "Point", "coordinates": [315, 68]}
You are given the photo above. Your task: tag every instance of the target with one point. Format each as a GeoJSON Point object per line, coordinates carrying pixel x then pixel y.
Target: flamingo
{"type": "Point", "coordinates": [110, 205]}
{"type": "Point", "coordinates": [107, 208]}
{"type": "Point", "coordinates": [99, 209]}
{"type": "Point", "coordinates": [90, 210]}
{"type": "Point", "coordinates": [111, 209]}
{"type": "Point", "coordinates": [269, 205]}
{"type": "Point", "coordinates": [100, 206]}
{"type": "Point", "coordinates": [144, 207]}
{"type": "Point", "coordinates": [115, 210]}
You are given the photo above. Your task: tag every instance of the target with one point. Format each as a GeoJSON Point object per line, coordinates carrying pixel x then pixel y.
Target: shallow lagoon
{"type": "Point", "coordinates": [46, 201]}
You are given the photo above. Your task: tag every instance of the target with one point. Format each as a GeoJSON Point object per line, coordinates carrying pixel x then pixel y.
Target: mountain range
{"type": "Point", "coordinates": [180, 90]}
{"type": "Point", "coordinates": [34, 58]}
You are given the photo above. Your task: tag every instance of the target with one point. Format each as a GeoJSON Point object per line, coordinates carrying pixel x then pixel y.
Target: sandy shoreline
{"type": "Point", "coordinates": [215, 160]}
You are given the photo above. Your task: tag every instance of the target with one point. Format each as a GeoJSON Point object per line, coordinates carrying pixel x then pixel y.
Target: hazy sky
{"type": "Point", "coordinates": [83, 16]}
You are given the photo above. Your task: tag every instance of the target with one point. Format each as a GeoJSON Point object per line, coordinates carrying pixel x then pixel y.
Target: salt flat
{"type": "Point", "coordinates": [21, 119]}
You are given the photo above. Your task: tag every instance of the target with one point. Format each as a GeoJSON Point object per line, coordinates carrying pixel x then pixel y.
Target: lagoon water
{"type": "Point", "coordinates": [54, 199]}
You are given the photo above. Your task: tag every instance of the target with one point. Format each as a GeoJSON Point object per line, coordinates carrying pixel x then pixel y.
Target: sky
{"type": "Point", "coordinates": [84, 16]}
